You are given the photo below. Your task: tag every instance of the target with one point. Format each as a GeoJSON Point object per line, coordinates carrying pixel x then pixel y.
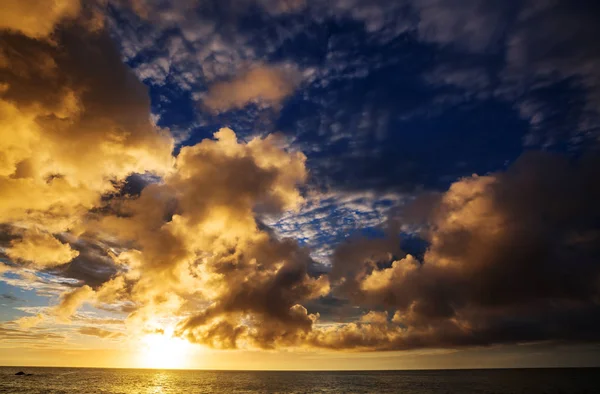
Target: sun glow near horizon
{"type": "Point", "coordinates": [164, 351]}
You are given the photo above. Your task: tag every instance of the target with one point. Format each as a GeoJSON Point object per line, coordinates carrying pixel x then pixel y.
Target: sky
{"type": "Point", "coordinates": [300, 184]}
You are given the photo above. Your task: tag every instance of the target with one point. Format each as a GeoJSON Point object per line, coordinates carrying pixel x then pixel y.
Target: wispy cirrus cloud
{"type": "Point", "coordinates": [99, 332]}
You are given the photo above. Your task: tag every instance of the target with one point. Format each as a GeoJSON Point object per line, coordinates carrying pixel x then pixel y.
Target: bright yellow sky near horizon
{"type": "Point", "coordinates": [157, 351]}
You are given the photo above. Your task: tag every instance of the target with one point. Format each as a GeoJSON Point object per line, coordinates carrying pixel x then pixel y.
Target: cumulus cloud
{"type": "Point", "coordinates": [262, 85]}
{"type": "Point", "coordinates": [71, 301]}
{"type": "Point", "coordinates": [37, 18]}
{"type": "Point", "coordinates": [40, 248]}
{"type": "Point", "coordinates": [74, 123]}
{"type": "Point", "coordinates": [512, 257]}
{"type": "Point", "coordinates": [198, 247]}
{"type": "Point", "coordinates": [191, 245]}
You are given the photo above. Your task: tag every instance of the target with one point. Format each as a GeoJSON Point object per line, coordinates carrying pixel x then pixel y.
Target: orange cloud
{"type": "Point", "coordinates": [262, 84]}
{"type": "Point", "coordinates": [74, 122]}
{"type": "Point", "coordinates": [29, 321]}
{"type": "Point", "coordinates": [71, 301]}
{"type": "Point", "coordinates": [36, 18]}
{"type": "Point", "coordinates": [196, 240]}
{"type": "Point", "coordinates": [99, 332]}
{"type": "Point", "coordinates": [40, 248]}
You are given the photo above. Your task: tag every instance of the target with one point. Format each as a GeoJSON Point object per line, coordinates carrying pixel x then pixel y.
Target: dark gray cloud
{"type": "Point", "coordinates": [92, 266]}
{"type": "Point", "coordinates": [9, 297]}
{"type": "Point", "coordinates": [512, 257]}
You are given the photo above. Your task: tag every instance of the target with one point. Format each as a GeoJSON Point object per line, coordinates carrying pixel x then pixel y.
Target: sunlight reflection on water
{"type": "Point", "coordinates": [123, 381]}
{"type": "Point", "coordinates": [160, 379]}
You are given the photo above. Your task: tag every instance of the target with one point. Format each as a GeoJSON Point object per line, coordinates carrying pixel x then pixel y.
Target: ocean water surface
{"type": "Point", "coordinates": [83, 380]}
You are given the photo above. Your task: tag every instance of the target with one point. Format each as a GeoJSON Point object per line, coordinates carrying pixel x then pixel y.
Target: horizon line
{"type": "Point", "coordinates": [307, 370]}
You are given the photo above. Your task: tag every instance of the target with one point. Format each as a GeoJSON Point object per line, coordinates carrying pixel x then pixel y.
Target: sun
{"type": "Point", "coordinates": [163, 351]}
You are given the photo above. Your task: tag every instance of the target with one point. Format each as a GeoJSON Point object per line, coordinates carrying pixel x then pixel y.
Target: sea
{"type": "Point", "coordinates": [92, 380]}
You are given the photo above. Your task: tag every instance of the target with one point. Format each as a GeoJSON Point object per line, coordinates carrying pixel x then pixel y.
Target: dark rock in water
{"type": "Point", "coordinates": [20, 373]}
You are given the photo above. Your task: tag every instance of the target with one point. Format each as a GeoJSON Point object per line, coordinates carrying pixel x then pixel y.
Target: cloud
{"type": "Point", "coordinates": [192, 247]}
{"type": "Point", "coordinates": [261, 84]}
{"type": "Point", "coordinates": [37, 19]}
{"type": "Point", "coordinates": [40, 248]}
{"type": "Point", "coordinates": [71, 301]}
{"type": "Point", "coordinates": [9, 297]}
{"type": "Point", "coordinates": [74, 123]}
{"type": "Point", "coordinates": [28, 336]}
{"type": "Point", "coordinates": [512, 257]}
{"type": "Point", "coordinates": [325, 219]}
{"type": "Point", "coordinates": [471, 79]}
{"type": "Point", "coordinates": [93, 264]}
{"type": "Point", "coordinates": [551, 43]}
{"type": "Point", "coordinates": [30, 321]}
{"type": "Point", "coordinates": [99, 332]}
{"type": "Point", "coordinates": [473, 25]}
{"type": "Point", "coordinates": [197, 248]}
